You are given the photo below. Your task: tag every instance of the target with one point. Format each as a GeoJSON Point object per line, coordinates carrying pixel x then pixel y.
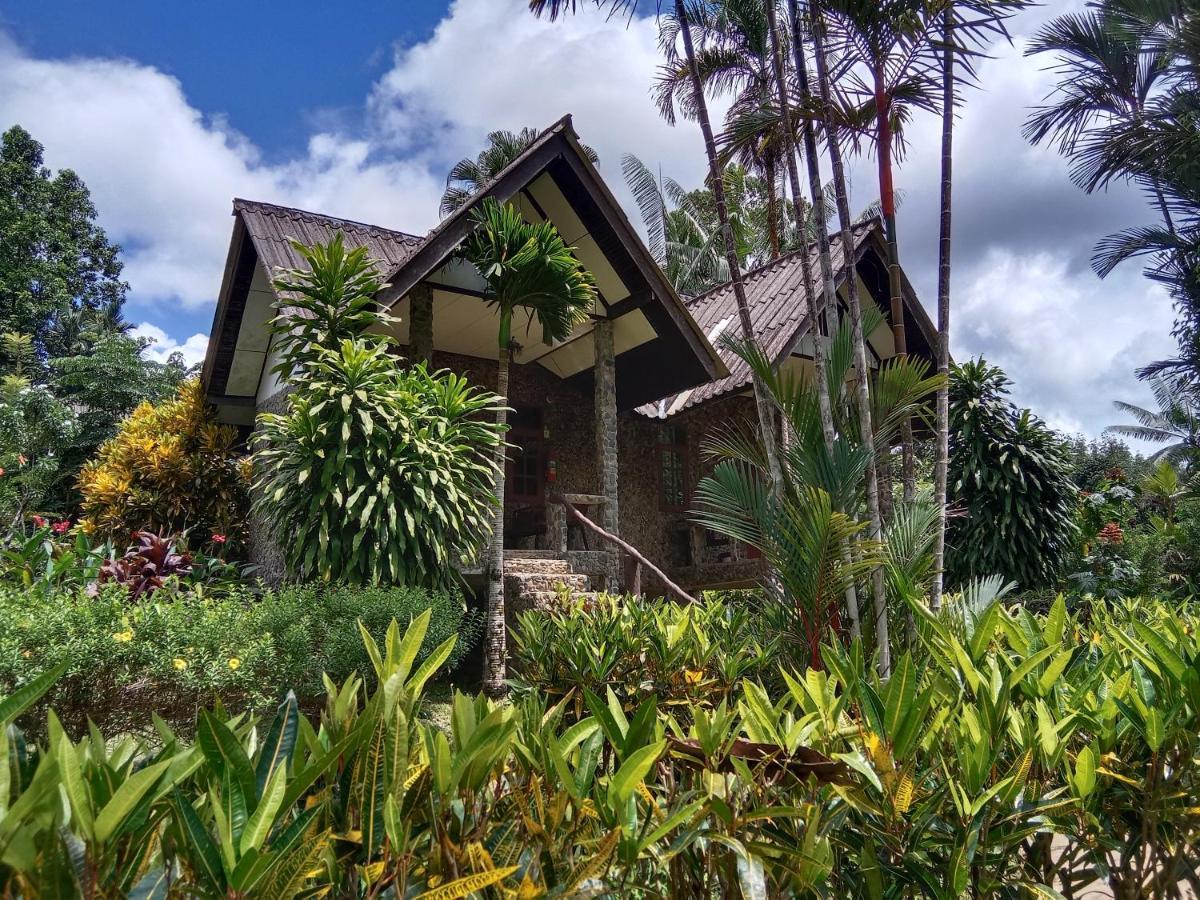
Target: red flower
{"type": "Point", "coordinates": [1111, 534]}
{"type": "Point", "coordinates": [61, 527]}
{"type": "Point", "coordinates": [39, 522]}
{"type": "Point", "coordinates": [219, 539]}
{"type": "Point", "coordinates": [1, 471]}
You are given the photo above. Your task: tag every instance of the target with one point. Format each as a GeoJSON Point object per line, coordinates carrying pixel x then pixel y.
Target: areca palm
{"type": "Point", "coordinates": [469, 175]}
{"type": "Point", "coordinates": [554, 8]}
{"type": "Point", "coordinates": [1175, 423]}
{"type": "Point", "coordinates": [1111, 67]}
{"type": "Point", "coordinates": [894, 42]}
{"type": "Point", "coordinates": [526, 269]}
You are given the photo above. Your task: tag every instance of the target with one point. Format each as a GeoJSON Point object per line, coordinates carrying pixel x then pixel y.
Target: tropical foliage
{"type": "Point", "coordinates": [1010, 480]}
{"type": "Point", "coordinates": [170, 469]}
{"type": "Point", "coordinates": [468, 176]}
{"type": "Point", "coordinates": [375, 472]}
{"type": "Point", "coordinates": [1015, 754]}
{"type": "Point", "coordinates": [197, 640]}
{"type": "Point", "coordinates": [1175, 423]}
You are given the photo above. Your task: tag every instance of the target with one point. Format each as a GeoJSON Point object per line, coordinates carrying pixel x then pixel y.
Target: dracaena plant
{"type": "Point", "coordinates": [376, 471]}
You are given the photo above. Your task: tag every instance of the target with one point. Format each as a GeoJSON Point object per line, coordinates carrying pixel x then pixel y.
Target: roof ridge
{"type": "Point", "coordinates": [266, 208]}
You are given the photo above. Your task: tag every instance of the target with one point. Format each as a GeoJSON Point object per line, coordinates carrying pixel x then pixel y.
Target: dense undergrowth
{"type": "Point", "coordinates": [1001, 732]}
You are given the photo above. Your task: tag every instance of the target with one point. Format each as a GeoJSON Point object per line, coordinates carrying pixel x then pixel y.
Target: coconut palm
{"type": "Point", "coordinates": [469, 175]}
{"type": "Point", "coordinates": [554, 8]}
{"type": "Point", "coordinates": [528, 271]}
{"type": "Point", "coordinates": [1175, 423]}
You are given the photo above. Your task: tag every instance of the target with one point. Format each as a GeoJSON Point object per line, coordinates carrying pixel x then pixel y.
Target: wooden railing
{"type": "Point", "coordinates": [638, 559]}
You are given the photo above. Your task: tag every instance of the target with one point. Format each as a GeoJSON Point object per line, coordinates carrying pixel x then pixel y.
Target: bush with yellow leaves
{"type": "Point", "coordinates": [171, 469]}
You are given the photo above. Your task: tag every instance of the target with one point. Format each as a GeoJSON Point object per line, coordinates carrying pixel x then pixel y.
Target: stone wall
{"type": "Point", "coordinates": [666, 537]}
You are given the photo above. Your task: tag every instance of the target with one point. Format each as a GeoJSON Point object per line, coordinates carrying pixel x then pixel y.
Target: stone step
{"type": "Point", "coordinates": [536, 566]}
{"type": "Point", "coordinates": [533, 554]}
{"type": "Point", "coordinates": [527, 582]}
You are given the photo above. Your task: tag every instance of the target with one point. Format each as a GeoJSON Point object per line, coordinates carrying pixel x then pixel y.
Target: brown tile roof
{"type": "Point", "coordinates": [779, 309]}
{"type": "Point", "coordinates": [272, 228]}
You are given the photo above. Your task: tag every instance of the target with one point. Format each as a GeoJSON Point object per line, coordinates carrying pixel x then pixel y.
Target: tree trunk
{"type": "Point", "coordinates": [942, 450]}
{"type": "Point", "coordinates": [766, 418]}
{"type": "Point", "coordinates": [496, 648]}
{"type": "Point", "coordinates": [887, 203]}
{"type": "Point", "coordinates": [772, 205]}
{"type": "Point", "coordinates": [862, 386]}
{"type": "Point", "coordinates": [824, 312]}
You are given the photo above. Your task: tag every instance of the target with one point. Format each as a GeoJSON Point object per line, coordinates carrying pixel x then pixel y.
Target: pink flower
{"type": "Point", "coordinates": [39, 522]}
{"type": "Point", "coordinates": [61, 527]}
{"type": "Point", "coordinates": [219, 539]}
{"type": "Point", "coordinates": [21, 458]}
{"type": "Point", "coordinates": [1, 471]}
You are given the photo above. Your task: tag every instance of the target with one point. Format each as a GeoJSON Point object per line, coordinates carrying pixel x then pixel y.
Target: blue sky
{"type": "Point", "coordinates": [168, 111]}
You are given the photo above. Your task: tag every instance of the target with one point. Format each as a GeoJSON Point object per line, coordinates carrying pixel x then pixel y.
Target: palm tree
{"type": "Point", "coordinates": [895, 43]}
{"type": "Point", "coordinates": [1111, 68]}
{"type": "Point", "coordinates": [766, 423]}
{"type": "Point", "coordinates": [528, 268]}
{"type": "Point", "coordinates": [1175, 423]}
{"type": "Point", "coordinates": [941, 456]}
{"type": "Point", "coordinates": [469, 175]}
{"type": "Point", "coordinates": [678, 235]}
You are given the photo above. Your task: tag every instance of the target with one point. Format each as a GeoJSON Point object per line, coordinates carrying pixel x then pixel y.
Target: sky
{"type": "Point", "coordinates": [168, 111]}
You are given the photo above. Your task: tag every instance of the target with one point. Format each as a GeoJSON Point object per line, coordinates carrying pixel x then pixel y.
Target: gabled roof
{"type": "Point", "coordinates": [780, 308]}
{"type": "Point", "coordinates": [273, 227]}
{"type": "Point", "coordinates": [557, 144]}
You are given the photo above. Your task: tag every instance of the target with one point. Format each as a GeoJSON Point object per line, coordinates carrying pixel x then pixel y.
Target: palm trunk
{"type": "Point", "coordinates": [865, 425]}
{"type": "Point", "coordinates": [766, 418]}
{"type": "Point", "coordinates": [496, 648]}
{"type": "Point", "coordinates": [887, 203]}
{"type": "Point", "coordinates": [942, 451]}
{"type": "Point", "coordinates": [772, 204]}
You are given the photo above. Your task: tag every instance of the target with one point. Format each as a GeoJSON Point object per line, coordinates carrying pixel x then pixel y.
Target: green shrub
{"type": "Point", "coordinates": [318, 624]}
{"type": "Point", "coordinates": [636, 647]}
{"type": "Point", "coordinates": [1010, 475]}
{"type": "Point", "coordinates": [183, 651]}
{"type": "Point", "coordinates": [376, 472]}
{"type": "Point", "coordinates": [1012, 756]}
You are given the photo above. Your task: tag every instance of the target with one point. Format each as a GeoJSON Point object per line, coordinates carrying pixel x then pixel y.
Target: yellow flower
{"type": "Point", "coordinates": [180, 663]}
{"type": "Point", "coordinates": [693, 676]}
{"type": "Point", "coordinates": [234, 663]}
{"type": "Point", "coordinates": [123, 637]}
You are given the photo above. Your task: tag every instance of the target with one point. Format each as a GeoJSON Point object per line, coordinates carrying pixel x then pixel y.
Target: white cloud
{"type": "Point", "coordinates": [163, 345]}
{"type": "Point", "coordinates": [162, 174]}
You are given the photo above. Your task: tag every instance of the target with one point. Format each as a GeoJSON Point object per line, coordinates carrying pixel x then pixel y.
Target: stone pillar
{"type": "Point", "coordinates": [420, 324]}
{"type": "Point", "coordinates": [606, 437]}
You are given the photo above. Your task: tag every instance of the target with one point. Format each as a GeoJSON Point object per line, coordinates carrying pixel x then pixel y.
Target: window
{"type": "Point", "coordinates": [672, 469]}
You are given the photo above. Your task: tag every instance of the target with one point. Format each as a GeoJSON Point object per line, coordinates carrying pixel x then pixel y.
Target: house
{"type": "Point", "coordinates": [615, 416]}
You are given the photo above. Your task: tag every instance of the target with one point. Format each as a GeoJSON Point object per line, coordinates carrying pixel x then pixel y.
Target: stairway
{"type": "Point", "coordinates": [535, 579]}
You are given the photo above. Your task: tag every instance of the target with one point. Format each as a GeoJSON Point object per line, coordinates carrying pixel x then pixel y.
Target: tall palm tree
{"type": "Point", "coordinates": [528, 269]}
{"type": "Point", "coordinates": [894, 42]}
{"type": "Point", "coordinates": [941, 456]}
{"type": "Point", "coordinates": [469, 175]}
{"type": "Point", "coordinates": [762, 402]}
{"type": "Point", "coordinates": [865, 425]}
{"type": "Point", "coordinates": [1175, 423]}
{"type": "Point", "coordinates": [733, 58]}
